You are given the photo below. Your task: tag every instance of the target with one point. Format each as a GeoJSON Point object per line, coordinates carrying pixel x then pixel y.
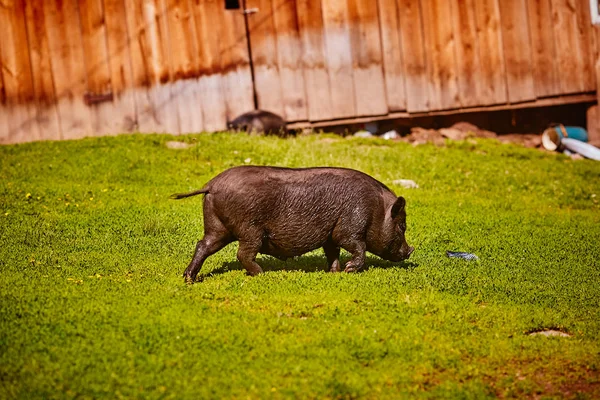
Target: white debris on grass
{"type": "Point", "coordinates": [406, 183]}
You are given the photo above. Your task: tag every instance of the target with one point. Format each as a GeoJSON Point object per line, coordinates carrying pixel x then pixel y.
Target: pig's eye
{"type": "Point", "coordinates": [401, 227]}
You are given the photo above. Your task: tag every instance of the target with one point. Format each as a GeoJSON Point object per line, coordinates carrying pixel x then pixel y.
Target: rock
{"type": "Point", "coordinates": [406, 183]}
{"type": "Point", "coordinates": [177, 145]}
{"type": "Point", "coordinates": [363, 134]}
{"type": "Point", "coordinates": [473, 130]}
{"type": "Point", "coordinates": [454, 134]}
{"type": "Point", "coordinates": [390, 135]}
{"type": "Point", "coordinates": [549, 332]}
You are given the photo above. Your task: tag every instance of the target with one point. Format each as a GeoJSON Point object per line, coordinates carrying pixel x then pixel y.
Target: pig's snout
{"type": "Point", "coordinates": [410, 250]}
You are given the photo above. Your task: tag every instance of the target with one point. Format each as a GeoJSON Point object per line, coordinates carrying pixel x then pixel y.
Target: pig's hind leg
{"type": "Point", "coordinates": [216, 236]}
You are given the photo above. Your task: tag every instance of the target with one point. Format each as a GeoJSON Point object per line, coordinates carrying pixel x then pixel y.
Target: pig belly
{"type": "Point", "coordinates": [286, 247]}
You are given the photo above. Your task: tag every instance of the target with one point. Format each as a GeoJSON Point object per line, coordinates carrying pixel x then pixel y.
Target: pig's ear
{"type": "Point", "coordinates": [398, 207]}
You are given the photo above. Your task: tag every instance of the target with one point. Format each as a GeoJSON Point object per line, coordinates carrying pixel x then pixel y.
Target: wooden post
{"type": "Point", "coordinates": [119, 61]}
{"type": "Point", "coordinates": [16, 76]}
{"type": "Point", "coordinates": [339, 58]}
{"type": "Point", "coordinates": [186, 90]}
{"type": "Point", "coordinates": [439, 40]}
{"type": "Point", "coordinates": [543, 52]}
{"type": "Point", "coordinates": [491, 52]}
{"type": "Point", "coordinates": [41, 70]}
{"type": "Point", "coordinates": [68, 67]}
{"type": "Point", "coordinates": [414, 55]}
{"type": "Point", "coordinates": [289, 56]}
{"type": "Point", "coordinates": [367, 68]}
{"type": "Point", "coordinates": [264, 56]}
{"type": "Point", "coordinates": [313, 61]}
{"type": "Point", "coordinates": [468, 65]}
{"type": "Point", "coordinates": [393, 65]}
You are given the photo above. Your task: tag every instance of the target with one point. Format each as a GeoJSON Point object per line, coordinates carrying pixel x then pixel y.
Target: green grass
{"type": "Point", "coordinates": [93, 304]}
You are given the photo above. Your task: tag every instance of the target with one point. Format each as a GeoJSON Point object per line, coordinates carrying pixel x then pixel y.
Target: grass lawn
{"type": "Point", "coordinates": [93, 304]}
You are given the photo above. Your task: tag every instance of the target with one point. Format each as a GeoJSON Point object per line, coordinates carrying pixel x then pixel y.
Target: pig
{"type": "Point", "coordinates": [287, 212]}
{"type": "Point", "coordinates": [259, 121]}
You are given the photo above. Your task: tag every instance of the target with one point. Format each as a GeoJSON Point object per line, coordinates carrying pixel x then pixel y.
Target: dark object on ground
{"type": "Point", "coordinates": [460, 254]}
{"type": "Point", "coordinates": [287, 212]}
{"type": "Point", "coordinates": [259, 121]}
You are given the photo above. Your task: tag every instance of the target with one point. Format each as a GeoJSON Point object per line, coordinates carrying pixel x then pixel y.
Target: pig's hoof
{"type": "Point", "coordinates": [350, 269]}
{"type": "Point", "coordinates": [190, 280]}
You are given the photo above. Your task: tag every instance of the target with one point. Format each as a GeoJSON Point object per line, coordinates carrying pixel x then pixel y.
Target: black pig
{"type": "Point", "coordinates": [287, 212]}
{"type": "Point", "coordinates": [259, 121]}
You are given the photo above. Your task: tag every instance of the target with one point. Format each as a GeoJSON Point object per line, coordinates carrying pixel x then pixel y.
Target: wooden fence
{"type": "Point", "coordinates": [73, 68]}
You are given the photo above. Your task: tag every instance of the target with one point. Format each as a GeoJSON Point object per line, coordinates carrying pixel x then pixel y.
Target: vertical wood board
{"type": "Point", "coordinates": [439, 41]}
{"type": "Point", "coordinates": [365, 40]}
{"type": "Point", "coordinates": [339, 58]}
{"type": "Point", "coordinates": [313, 61]}
{"type": "Point", "coordinates": [393, 65]}
{"type": "Point", "coordinates": [289, 54]}
{"type": "Point", "coordinates": [414, 55]}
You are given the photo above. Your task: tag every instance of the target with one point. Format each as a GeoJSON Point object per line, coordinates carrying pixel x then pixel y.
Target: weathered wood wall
{"type": "Point", "coordinates": [74, 68]}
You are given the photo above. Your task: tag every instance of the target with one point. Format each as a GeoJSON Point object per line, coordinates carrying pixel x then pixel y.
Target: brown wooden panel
{"type": "Point", "coordinates": [369, 84]}
{"type": "Point", "coordinates": [237, 79]}
{"type": "Point", "coordinates": [393, 65]}
{"type": "Point", "coordinates": [264, 56]}
{"type": "Point", "coordinates": [467, 53]}
{"type": "Point", "coordinates": [16, 74]}
{"type": "Point", "coordinates": [586, 43]}
{"type": "Point", "coordinates": [104, 113]}
{"type": "Point", "coordinates": [146, 25]}
{"type": "Point", "coordinates": [208, 14]}
{"type": "Point", "coordinates": [569, 52]}
{"type": "Point", "coordinates": [439, 42]}
{"type": "Point", "coordinates": [339, 58]}
{"type": "Point", "coordinates": [68, 67]}
{"type": "Point", "coordinates": [517, 50]}
{"type": "Point", "coordinates": [289, 55]}
{"type": "Point", "coordinates": [120, 65]}
{"type": "Point", "coordinates": [313, 61]}
{"type": "Point", "coordinates": [41, 71]}
{"type": "Point", "coordinates": [491, 52]}
{"type": "Point", "coordinates": [414, 55]}
{"type": "Point", "coordinates": [542, 48]}
{"type": "Point", "coordinates": [4, 138]}
{"type": "Point", "coordinates": [182, 48]}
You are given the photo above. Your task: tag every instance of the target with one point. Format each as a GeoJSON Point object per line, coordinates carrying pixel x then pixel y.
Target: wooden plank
{"type": "Point", "coordinates": [570, 52]}
{"type": "Point", "coordinates": [119, 62]}
{"type": "Point", "coordinates": [68, 67]}
{"type": "Point", "coordinates": [235, 64]}
{"type": "Point", "coordinates": [586, 42]}
{"type": "Point", "coordinates": [491, 52]}
{"type": "Point", "coordinates": [369, 85]}
{"type": "Point", "coordinates": [264, 57]}
{"type": "Point", "coordinates": [3, 109]}
{"type": "Point", "coordinates": [439, 44]}
{"type": "Point", "coordinates": [289, 55]}
{"type": "Point", "coordinates": [206, 15]}
{"type": "Point", "coordinates": [146, 28]}
{"type": "Point", "coordinates": [105, 113]}
{"type": "Point", "coordinates": [393, 65]}
{"type": "Point", "coordinates": [517, 50]}
{"type": "Point", "coordinates": [184, 65]}
{"type": "Point", "coordinates": [414, 55]}
{"type": "Point", "coordinates": [339, 58]}
{"type": "Point", "coordinates": [16, 75]}
{"type": "Point", "coordinates": [313, 62]}
{"type": "Point", "coordinates": [545, 70]}
{"type": "Point", "coordinates": [41, 71]}
{"type": "Point", "coordinates": [467, 53]}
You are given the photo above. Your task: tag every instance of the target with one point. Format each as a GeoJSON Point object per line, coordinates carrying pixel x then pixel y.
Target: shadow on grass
{"type": "Point", "coordinates": [309, 263]}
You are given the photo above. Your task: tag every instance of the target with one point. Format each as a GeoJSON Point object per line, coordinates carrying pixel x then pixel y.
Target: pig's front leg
{"type": "Point", "coordinates": [247, 257]}
{"type": "Point", "coordinates": [357, 248]}
{"type": "Point", "coordinates": [332, 252]}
